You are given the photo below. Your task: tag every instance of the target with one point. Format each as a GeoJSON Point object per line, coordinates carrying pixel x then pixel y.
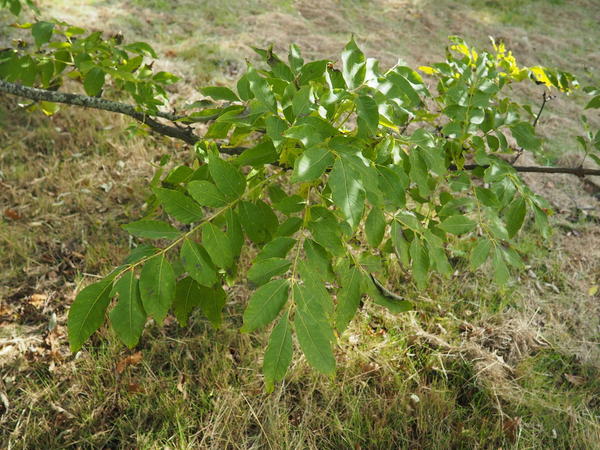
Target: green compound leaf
{"type": "Point", "coordinates": [128, 317]}
{"type": "Point", "coordinates": [178, 205]}
{"type": "Point", "coordinates": [157, 287]}
{"type": "Point", "coordinates": [265, 304]}
{"type": "Point", "coordinates": [86, 314]}
{"type": "Point", "coordinates": [278, 355]}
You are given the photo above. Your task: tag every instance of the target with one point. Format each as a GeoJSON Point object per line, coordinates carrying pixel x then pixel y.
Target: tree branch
{"type": "Point", "coordinates": [579, 171]}
{"type": "Point", "coordinates": [187, 135]}
{"type": "Point", "coordinates": [184, 134]}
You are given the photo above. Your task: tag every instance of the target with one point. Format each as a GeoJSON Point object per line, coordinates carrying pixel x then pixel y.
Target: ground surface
{"type": "Point", "coordinates": [475, 366]}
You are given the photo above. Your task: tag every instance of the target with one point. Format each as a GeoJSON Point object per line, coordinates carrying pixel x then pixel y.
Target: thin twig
{"type": "Point", "coordinates": [545, 99]}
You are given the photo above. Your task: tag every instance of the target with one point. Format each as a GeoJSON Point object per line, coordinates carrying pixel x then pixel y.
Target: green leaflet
{"type": "Point", "coordinates": [230, 182]}
{"type": "Point", "coordinates": [275, 129]}
{"type": "Point", "coordinates": [480, 253]}
{"type": "Point", "coordinates": [197, 263]}
{"type": "Point", "coordinates": [311, 164]}
{"type": "Point", "coordinates": [258, 156]}
{"type": "Point", "coordinates": [295, 58]}
{"type": "Point", "coordinates": [401, 246]}
{"type": "Point", "coordinates": [277, 248]}
{"type": "Point", "coordinates": [375, 227]}
{"type": "Point", "coordinates": [319, 259]}
{"type": "Point", "coordinates": [220, 93]}
{"type": "Point", "coordinates": [151, 229]}
{"type": "Point", "coordinates": [217, 245]}
{"type": "Point", "coordinates": [291, 204]}
{"type": "Point", "coordinates": [312, 71]}
{"type": "Point", "coordinates": [289, 226]}
{"type": "Point", "coordinates": [265, 304]}
{"type": "Point", "coordinates": [524, 133]}
{"type": "Point", "coordinates": [178, 205]}
{"type": "Point", "coordinates": [278, 355]}
{"type": "Point", "coordinates": [501, 273]}
{"type": "Point", "coordinates": [212, 301]}
{"type": "Point", "coordinates": [187, 297]}
{"type": "Point", "coordinates": [139, 253]}
{"type": "Point", "coordinates": [42, 33]}
{"type": "Point", "coordinates": [206, 193]}
{"type": "Point", "coordinates": [458, 224]}
{"type": "Point", "coordinates": [327, 232]}
{"type": "Point", "coordinates": [265, 269]}
{"type": "Point", "coordinates": [353, 65]}
{"type": "Point", "coordinates": [393, 183]}
{"type": "Point", "coordinates": [86, 314]}
{"type": "Point", "coordinates": [486, 197]}
{"type": "Point", "coordinates": [314, 286]}
{"type": "Point", "coordinates": [128, 317]}
{"type": "Point", "coordinates": [261, 90]}
{"type": "Point", "coordinates": [313, 331]}
{"type": "Point", "coordinates": [420, 262]}
{"type": "Point", "coordinates": [258, 220]}
{"type": "Point", "coordinates": [515, 216]}
{"type": "Point", "coordinates": [594, 103]}
{"type": "Point", "coordinates": [347, 191]}
{"type": "Point", "coordinates": [234, 232]}
{"type": "Point", "coordinates": [94, 81]}
{"type": "Point", "coordinates": [303, 101]}
{"type": "Point", "coordinates": [157, 287]}
{"type": "Point", "coordinates": [348, 297]}
{"type": "Point", "coordinates": [368, 116]}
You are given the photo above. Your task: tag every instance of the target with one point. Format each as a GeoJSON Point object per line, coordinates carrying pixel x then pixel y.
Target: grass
{"type": "Point", "coordinates": [475, 366]}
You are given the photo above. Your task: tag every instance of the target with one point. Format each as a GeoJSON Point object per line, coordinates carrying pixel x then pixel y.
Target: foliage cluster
{"type": "Point", "coordinates": [334, 169]}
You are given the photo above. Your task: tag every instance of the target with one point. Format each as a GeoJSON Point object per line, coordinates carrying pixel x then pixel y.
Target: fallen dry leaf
{"type": "Point", "coordinates": [134, 388]}
{"type": "Point", "coordinates": [575, 380]}
{"type": "Point", "coordinates": [511, 428]}
{"type": "Point", "coordinates": [181, 385]}
{"type": "Point", "coordinates": [12, 214]}
{"type": "Point", "coordinates": [37, 300]}
{"type": "Point", "coordinates": [130, 360]}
